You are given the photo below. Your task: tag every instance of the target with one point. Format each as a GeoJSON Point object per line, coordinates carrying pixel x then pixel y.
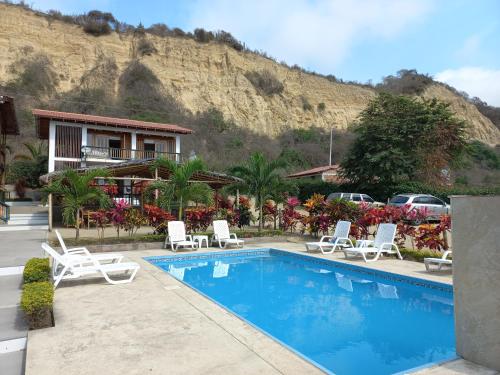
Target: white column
{"type": "Point", "coordinates": [178, 147]}
{"type": "Point", "coordinates": [84, 143]}
{"type": "Point", "coordinates": [133, 144]}
{"type": "Point", "coordinates": [52, 146]}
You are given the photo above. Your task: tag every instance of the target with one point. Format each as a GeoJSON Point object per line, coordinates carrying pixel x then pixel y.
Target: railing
{"type": "Point", "coordinates": [4, 212]}
{"type": "Point", "coordinates": [93, 152]}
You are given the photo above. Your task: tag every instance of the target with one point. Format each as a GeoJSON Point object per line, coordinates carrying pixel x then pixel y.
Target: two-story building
{"type": "Point", "coordinates": [81, 140]}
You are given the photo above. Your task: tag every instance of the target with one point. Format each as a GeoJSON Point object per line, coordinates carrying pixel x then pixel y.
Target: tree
{"type": "Point", "coordinates": [260, 177]}
{"type": "Point", "coordinates": [401, 138]}
{"type": "Point", "coordinates": [31, 166]}
{"type": "Point", "coordinates": [76, 191]}
{"type": "Point", "coordinates": [180, 188]}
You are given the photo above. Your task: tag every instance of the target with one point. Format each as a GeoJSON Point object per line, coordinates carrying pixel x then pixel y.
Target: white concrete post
{"type": "Point", "coordinates": [84, 143]}
{"type": "Point", "coordinates": [178, 148]}
{"type": "Point", "coordinates": [52, 146]}
{"type": "Point", "coordinates": [133, 144]}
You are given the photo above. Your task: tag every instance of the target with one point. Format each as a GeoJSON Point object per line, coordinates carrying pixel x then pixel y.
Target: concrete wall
{"type": "Point", "coordinates": [476, 278]}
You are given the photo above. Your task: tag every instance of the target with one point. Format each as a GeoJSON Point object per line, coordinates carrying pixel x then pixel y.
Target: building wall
{"type": "Point", "coordinates": [476, 278]}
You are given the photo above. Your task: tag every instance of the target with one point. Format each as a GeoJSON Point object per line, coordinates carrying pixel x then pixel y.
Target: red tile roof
{"type": "Point", "coordinates": [314, 171]}
{"type": "Point", "coordinates": [109, 121]}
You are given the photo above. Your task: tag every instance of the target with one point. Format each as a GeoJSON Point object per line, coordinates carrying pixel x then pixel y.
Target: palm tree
{"type": "Point", "coordinates": [180, 188]}
{"type": "Point", "coordinates": [76, 191]}
{"type": "Point", "coordinates": [260, 177]}
{"type": "Point", "coordinates": [36, 152]}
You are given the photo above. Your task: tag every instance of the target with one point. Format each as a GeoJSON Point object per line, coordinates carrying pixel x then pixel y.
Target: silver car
{"type": "Point", "coordinates": [355, 198]}
{"type": "Point", "coordinates": [435, 206]}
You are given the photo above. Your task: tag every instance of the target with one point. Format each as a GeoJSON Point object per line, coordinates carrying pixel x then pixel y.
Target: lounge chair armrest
{"type": "Point", "coordinates": [322, 239]}
{"type": "Point", "coordinates": [190, 237]}
{"type": "Point", "coordinates": [364, 243]}
{"type": "Point", "coordinates": [233, 235]}
{"type": "Point", "coordinates": [389, 244]}
{"type": "Point", "coordinates": [446, 253]}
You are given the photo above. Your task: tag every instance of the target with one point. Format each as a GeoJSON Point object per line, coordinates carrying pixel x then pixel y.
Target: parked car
{"type": "Point", "coordinates": [435, 206]}
{"type": "Point", "coordinates": [355, 198]}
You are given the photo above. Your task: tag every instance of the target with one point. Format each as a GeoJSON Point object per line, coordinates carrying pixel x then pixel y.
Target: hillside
{"type": "Point", "coordinates": [206, 86]}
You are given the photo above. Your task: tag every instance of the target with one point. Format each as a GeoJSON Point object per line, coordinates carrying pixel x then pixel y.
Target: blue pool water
{"type": "Point", "coordinates": [346, 319]}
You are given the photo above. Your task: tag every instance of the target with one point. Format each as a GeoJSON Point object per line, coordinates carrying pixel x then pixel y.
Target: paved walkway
{"type": "Point", "coordinates": [15, 249]}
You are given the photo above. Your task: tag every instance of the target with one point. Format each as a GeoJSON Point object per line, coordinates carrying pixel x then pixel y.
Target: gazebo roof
{"type": "Point", "coordinates": [143, 168]}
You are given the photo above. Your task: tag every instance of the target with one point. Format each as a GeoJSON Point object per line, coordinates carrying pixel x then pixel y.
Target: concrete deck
{"type": "Point", "coordinates": [158, 325]}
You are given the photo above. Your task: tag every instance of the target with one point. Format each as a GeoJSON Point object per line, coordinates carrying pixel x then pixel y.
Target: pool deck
{"type": "Point", "coordinates": [158, 325]}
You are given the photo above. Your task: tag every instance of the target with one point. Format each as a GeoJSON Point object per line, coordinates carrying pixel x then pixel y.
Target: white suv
{"type": "Point", "coordinates": [435, 206]}
{"type": "Point", "coordinates": [355, 198]}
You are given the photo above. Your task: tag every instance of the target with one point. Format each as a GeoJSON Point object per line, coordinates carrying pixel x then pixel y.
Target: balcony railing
{"type": "Point", "coordinates": [110, 153]}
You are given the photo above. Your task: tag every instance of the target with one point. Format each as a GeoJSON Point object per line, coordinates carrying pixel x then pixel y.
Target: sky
{"type": "Point", "coordinates": [455, 41]}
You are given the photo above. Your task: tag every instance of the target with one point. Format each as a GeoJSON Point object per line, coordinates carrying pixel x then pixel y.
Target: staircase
{"type": "Point", "coordinates": [26, 218]}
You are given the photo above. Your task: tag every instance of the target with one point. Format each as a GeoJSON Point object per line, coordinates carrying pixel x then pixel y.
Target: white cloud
{"type": "Point", "coordinates": [317, 33]}
{"type": "Point", "coordinates": [475, 81]}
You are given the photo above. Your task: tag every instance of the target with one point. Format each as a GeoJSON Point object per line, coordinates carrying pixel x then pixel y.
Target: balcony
{"type": "Point", "coordinates": [107, 154]}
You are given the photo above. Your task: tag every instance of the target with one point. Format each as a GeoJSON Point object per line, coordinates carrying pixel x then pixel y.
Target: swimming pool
{"type": "Point", "coordinates": [343, 318]}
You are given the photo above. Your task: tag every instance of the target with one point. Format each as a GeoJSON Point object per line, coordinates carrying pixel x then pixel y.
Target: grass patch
{"type": "Point", "coordinates": [88, 241]}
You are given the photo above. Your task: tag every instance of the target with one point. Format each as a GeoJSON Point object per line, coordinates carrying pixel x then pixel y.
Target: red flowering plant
{"type": "Point", "coordinates": [158, 218]}
{"type": "Point", "coordinates": [243, 211]}
{"type": "Point", "coordinates": [116, 215]}
{"type": "Point", "coordinates": [231, 216]}
{"type": "Point", "coordinates": [434, 236]}
{"type": "Point", "coordinates": [291, 218]}
{"type": "Point", "coordinates": [100, 219]}
{"type": "Point", "coordinates": [133, 220]}
{"type": "Point", "coordinates": [317, 220]}
{"type": "Point", "coordinates": [270, 212]}
{"type": "Point", "coordinates": [199, 219]}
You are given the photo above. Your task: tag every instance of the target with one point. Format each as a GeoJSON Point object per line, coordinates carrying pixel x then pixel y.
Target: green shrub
{"type": "Point", "coordinates": [36, 301]}
{"type": "Point", "coordinates": [306, 106]}
{"type": "Point", "coordinates": [29, 170]}
{"type": "Point", "coordinates": [419, 255]}
{"type": "Point", "coordinates": [309, 187]}
{"type": "Point", "coordinates": [265, 82]}
{"type": "Point", "coordinates": [36, 269]}
{"type": "Point", "coordinates": [145, 47]}
{"type": "Point", "coordinates": [321, 107]}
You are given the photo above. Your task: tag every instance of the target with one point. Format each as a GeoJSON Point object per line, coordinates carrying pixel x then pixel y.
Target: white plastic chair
{"type": "Point", "coordinates": [177, 236]}
{"type": "Point", "coordinates": [440, 262]}
{"type": "Point", "coordinates": [340, 238]}
{"type": "Point", "coordinates": [383, 244]}
{"type": "Point", "coordinates": [222, 235]}
{"type": "Point", "coordinates": [80, 251]}
{"type": "Point", "coordinates": [76, 267]}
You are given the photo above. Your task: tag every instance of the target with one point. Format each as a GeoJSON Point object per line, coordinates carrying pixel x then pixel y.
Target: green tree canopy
{"type": "Point", "coordinates": [402, 138]}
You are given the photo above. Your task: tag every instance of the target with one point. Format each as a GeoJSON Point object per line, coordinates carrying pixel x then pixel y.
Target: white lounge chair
{"type": "Point", "coordinates": [383, 244]}
{"type": "Point", "coordinates": [222, 235]}
{"type": "Point", "coordinates": [177, 236]}
{"type": "Point", "coordinates": [328, 244]}
{"type": "Point", "coordinates": [76, 267]}
{"type": "Point", "coordinates": [440, 262]}
{"type": "Point", "coordinates": [80, 251]}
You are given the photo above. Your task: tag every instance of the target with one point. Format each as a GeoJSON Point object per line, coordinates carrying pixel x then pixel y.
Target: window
{"type": "Point", "coordinates": [433, 200]}
{"type": "Point", "coordinates": [367, 198]}
{"type": "Point", "coordinates": [356, 198]}
{"type": "Point", "coordinates": [334, 196]}
{"type": "Point", "coordinates": [421, 200]}
{"type": "Point", "coordinates": [399, 199]}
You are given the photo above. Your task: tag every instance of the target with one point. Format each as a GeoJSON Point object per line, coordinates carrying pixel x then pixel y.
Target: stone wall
{"type": "Point", "coordinates": [476, 278]}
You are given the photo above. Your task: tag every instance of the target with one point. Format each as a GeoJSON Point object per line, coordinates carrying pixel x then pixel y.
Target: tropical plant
{"type": "Point", "coordinates": [158, 218]}
{"type": "Point", "coordinates": [29, 166]}
{"type": "Point", "coordinates": [36, 151]}
{"type": "Point", "coordinates": [180, 189]}
{"type": "Point", "coordinates": [291, 218]}
{"type": "Point", "coordinates": [199, 219]}
{"type": "Point", "coordinates": [401, 138]}
{"type": "Point", "coordinates": [100, 219]}
{"type": "Point", "coordinates": [76, 191]}
{"type": "Point", "coordinates": [133, 221]}
{"type": "Point", "coordinates": [117, 214]}
{"type": "Point", "coordinates": [259, 177]}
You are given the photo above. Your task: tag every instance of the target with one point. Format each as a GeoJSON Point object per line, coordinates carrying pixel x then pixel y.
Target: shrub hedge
{"type": "Point", "coordinates": [419, 255]}
{"type": "Point", "coordinates": [36, 269]}
{"type": "Point", "coordinates": [36, 301]}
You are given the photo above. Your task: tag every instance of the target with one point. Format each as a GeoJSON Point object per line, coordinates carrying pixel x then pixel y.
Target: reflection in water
{"type": "Point", "coordinates": [220, 270]}
{"type": "Point", "coordinates": [344, 282]}
{"type": "Point", "coordinates": [387, 291]}
{"type": "Point", "coordinates": [178, 272]}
